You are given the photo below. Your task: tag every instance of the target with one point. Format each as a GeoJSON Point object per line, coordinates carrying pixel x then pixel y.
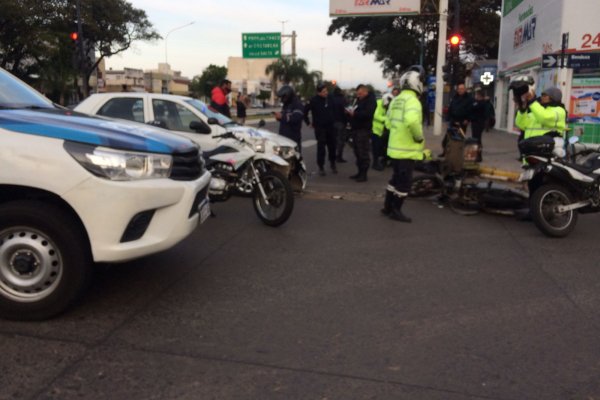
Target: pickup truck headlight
{"type": "Point", "coordinates": [120, 165]}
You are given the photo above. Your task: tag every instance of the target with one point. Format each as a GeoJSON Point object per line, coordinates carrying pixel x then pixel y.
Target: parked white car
{"type": "Point", "coordinates": [75, 189]}
{"type": "Point", "coordinates": [196, 120]}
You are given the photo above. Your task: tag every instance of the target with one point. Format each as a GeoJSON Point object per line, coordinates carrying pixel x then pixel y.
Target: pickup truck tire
{"type": "Point", "coordinates": [45, 260]}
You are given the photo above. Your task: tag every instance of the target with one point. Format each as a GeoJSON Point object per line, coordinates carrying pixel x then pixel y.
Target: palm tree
{"type": "Point", "coordinates": [293, 71]}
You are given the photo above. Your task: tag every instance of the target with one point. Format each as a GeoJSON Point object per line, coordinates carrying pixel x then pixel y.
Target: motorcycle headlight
{"type": "Point", "coordinates": [120, 165]}
{"type": "Point", "coordinates": [284, 151]}
{"type": "Point", "coordinates": [259, 145]}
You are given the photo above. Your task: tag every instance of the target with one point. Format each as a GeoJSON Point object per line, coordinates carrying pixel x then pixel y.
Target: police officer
{"type": "Point", "coordinates": [406, 142]}
{"type": "Point", "coordinates": [361, 121]}
{"type": "Point", "coordinates": [546, 115]}
{"type": "Point", "coordinates": [380, 126]}
{"type": "Point", "coordinates": [291, 115]}
{"type": "Point", "coordinates": [322, 108]}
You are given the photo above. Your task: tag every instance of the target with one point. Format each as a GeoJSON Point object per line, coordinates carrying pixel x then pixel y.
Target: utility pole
{"type": "Point", "coordinates": [441, 60]}
{"type": "Point", "coordinates": [322, 72]}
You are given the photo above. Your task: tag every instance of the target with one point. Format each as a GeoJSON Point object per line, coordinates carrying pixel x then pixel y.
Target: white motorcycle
{"type": "Point", "coordinates": [236, 163]}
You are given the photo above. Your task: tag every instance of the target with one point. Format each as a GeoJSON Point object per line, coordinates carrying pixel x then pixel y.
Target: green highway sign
{"type": "Point", "coordinates": [261, 45]}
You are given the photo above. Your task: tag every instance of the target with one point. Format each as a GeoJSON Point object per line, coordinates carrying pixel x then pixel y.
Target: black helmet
{"type": "Point", "coordinates": [285, 93]}
{"type": "Point", "coordinates": [521, 84]}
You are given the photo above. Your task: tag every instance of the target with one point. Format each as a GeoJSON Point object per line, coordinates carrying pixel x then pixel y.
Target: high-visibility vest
{"type": "Point", "coordinates": [539, 120]}
{"type": "Point", "coordinates": [406, 140]}
{"type": "Point", "coordinates": [379, 119]}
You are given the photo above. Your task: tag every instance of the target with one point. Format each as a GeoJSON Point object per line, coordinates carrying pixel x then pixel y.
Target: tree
{"type": "Point", "coordinates": [295, 72]}
{"type": "Point", "coordinates": [110, 27]}
{"type": "Point", "coordinates": [34, 36]}
{"type": "Point", "coordinates": [211, 76]}
{"type": "Point", "coordinates": [399, 42]}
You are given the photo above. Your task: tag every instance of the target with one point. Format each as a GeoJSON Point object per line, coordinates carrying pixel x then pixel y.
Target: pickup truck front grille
{"type": "Point", "coordinates": [187, 166]}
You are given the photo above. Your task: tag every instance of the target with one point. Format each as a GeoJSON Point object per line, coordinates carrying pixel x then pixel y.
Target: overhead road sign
{"type": "Point", "coordinates": [373, 8]}
{"type": "Point", "coordinates": [261, 45]}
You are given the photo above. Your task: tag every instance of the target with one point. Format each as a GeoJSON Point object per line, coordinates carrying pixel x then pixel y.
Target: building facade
{"type": "Point", "coordinates": [531, 42]}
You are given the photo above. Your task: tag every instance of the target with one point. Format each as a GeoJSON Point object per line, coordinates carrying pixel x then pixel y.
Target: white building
{"type": "Point", "coordinates": [248, 75]}
{"type": "Point", "coordinates": [531, 28]}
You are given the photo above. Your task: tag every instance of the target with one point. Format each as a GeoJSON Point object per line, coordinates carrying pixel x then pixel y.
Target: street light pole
{"type": "Point", "coordinates": [171, 31]}
{"type": "Point", "coordinates": [322, 72]}
{"type": "Point", "coordinates": [282, 33]}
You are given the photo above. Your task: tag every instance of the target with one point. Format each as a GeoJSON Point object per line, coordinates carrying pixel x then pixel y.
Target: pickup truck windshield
{"type": "Point", "coordinates": [210, 112]}
{"type": "Point", "coordinates": [16, 94]}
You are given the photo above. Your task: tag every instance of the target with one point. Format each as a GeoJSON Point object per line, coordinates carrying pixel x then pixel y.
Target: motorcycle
{"type": "Point", "coordinates": [236, 158]}
{"type": "Point", "coordinates": [561, 187]}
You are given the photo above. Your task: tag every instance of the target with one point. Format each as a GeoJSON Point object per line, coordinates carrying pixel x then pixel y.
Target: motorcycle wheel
{"type": "Point", "coordinates": [425, 185]}
{"type": "Point", "coordinates": [279, 203]}
{"type": "Point", "coordinates": [547, 219]}
{"type": "Point", "coordinates": [465, 201]}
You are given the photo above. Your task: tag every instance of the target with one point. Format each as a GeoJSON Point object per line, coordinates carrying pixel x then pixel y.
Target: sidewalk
{"type": "Point", "coordinates": [499, 148]}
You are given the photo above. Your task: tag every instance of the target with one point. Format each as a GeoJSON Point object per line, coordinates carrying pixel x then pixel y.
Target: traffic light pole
{"type": "Point", "coordinates": [441, 60]}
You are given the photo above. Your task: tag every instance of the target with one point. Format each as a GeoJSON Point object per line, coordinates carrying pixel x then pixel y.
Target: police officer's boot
{"type": "Point", "coordinates": [362, 176]}
{"type": "Point", "coordinates": [396, 213]}
{"type": "Point", "coordinates": [387, 203]}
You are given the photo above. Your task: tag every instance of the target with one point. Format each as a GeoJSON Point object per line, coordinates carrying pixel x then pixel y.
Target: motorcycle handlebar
{"type": "Point", "coordinates": [226, 135]}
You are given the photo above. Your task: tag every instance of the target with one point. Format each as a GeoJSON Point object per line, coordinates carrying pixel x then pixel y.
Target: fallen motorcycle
{"type": "Point", "coordinates": [235, 158]}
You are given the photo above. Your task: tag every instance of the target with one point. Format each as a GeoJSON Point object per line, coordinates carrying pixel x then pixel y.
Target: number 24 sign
{"type": "Point", "coordinates": [590, 41]}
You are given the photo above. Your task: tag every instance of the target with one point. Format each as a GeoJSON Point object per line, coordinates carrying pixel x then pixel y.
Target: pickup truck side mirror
{"type": "Point", "coordinates": [200, 127]}
{"type": "Point", "coordinates": [213, 121]}
{"type": "Point", "coordinates": [261, 123]}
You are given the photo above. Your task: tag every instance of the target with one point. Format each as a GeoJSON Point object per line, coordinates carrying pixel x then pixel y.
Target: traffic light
{"type": "Point", "coordinates": [455, 40]}
{"type": "Point", "coordinates": [447, 69]}
{"type": "Point", "coordinates": [74, 36]}
{"type": "Point", "coordinates": [459, 72]}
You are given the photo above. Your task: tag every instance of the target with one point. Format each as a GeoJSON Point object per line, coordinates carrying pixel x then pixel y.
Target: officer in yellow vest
{"type": "Point", "coordinates": [380, 124]}
{"type": "Point", "coordinates": [544, 116]}
{"type": "Point", "coordinates": [406, 142]}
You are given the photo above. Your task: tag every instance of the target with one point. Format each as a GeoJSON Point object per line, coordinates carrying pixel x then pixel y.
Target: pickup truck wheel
{"type": "Point", "coordinates": [45, 261]}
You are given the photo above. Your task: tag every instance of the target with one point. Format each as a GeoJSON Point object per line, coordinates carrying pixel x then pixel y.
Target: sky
{"type": "Point", "coordinates": [216, 34]}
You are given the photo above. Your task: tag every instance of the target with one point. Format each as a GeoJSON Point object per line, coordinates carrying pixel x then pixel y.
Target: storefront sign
{"type": "Point", "coordinates": [357, 8]}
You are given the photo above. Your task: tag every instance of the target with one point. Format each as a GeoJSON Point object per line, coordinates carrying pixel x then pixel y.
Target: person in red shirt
{"type": "Point", "coordinates": [218, 97]}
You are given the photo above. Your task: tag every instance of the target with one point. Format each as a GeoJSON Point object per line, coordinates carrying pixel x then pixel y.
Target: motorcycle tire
{"type": "Point", "coordinates": [425, 186]}
{"type": "Point", "coordinates": [543, 210]}
{"type": "Point", "coordinates": [466, 201]}
{"type": "Point", "coordinates": [280, 199]}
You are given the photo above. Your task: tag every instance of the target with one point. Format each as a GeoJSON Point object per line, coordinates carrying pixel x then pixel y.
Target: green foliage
{"type": "Point", "coordinates": [294, 72]}
{"type": "Point", "coordinates": [34, 37]}
{"type": "Point", "coordinates": [211, 77]}
{"type": "Point", "coordinates": [396, 41]}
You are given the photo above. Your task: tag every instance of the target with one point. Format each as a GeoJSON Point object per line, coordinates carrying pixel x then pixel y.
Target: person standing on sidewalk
{"type": "Point", "coordinates": [478, 118]}
{"type": "Point", "coordinates": [459, 111]}
{"type": "Point", "coordinates": [361, 121]}
{"type": "Point", "coordinates": [406, 143]}
{"type": "Point", "coordinates": [322, 108]}
{"type": "Point", "coordinates": [241, 105]}
{"type": "Point", "coordinates": [218, 97]}
{"type": "Point", "coordinates": [339, 116]}
{"type": "Point", "coordinates": [291, 115]}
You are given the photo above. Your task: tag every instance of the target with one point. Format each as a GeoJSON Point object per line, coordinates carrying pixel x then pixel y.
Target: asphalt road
{"type": "Point", "coordinates": [338, 303]}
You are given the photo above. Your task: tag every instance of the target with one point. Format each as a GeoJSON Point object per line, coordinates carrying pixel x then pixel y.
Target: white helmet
{"type": "Point", "coordinates": [387, 99]}
{"type": "Point", "coordinates": [412, 80]}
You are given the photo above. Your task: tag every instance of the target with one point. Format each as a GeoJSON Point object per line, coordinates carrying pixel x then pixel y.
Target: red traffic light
{"type": "Point", "coordinates": [74, 35]}
{"type": "Point", "coordinates": [455, 40]}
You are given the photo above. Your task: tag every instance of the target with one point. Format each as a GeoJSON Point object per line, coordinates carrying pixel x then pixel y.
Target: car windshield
{"type": "Point", "coordinates": [15, 93]}
{"type": "Point", "coordinates": [210, 112]}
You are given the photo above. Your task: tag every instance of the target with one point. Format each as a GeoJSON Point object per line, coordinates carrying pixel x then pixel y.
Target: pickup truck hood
{"type": "Point", "coordinates": [263, 133]}
{"type": "Point", "coordinates": [82, 128]}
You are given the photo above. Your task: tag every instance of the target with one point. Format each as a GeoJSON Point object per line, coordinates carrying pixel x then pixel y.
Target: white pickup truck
{"type": "Point", "coordinates": [76, 189]}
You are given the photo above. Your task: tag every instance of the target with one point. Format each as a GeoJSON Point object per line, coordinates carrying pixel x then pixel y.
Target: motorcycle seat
{"type": "Point", "coordinates": [585, 169]}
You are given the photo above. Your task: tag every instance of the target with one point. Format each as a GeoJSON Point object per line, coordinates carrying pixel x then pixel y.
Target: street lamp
{"type": "Point", "coordinates": [173, 30]}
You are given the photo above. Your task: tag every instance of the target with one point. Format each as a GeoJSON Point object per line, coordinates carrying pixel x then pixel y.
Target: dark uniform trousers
{"type": "Point", "coordinates": [402, 175]}
{"type": "Point", "coordinates": [326, 142]}
{"type": "Point", "coordinates": [362, 146]}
